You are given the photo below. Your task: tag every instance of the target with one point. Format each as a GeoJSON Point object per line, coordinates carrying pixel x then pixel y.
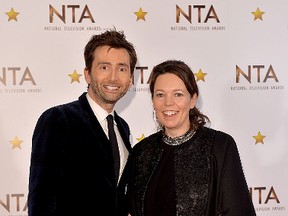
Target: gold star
{"type": "Point", "coordinates": [75, 76]}
{"type": "Point", "coordinates": [140, 14]}
{"type": "Point", "coordinates": [258, 14]}
{"type": "Point", "coordinates": [16, 142]}
{"type": "Point", "coordinates": [200, 75]}
{"type": "Point", "coordinates": [141, 138]}
{"type": "Point", "coordinates": [259, 138]}
{"type": "Point", "coordinates": [12, 15]}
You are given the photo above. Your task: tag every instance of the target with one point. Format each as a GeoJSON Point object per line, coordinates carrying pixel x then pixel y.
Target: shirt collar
{"type": "Point", "coordinates": [99, 112]}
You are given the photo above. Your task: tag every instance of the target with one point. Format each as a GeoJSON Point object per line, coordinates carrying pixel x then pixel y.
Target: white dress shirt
{"type": "Point", "coordinates": [101, 115]}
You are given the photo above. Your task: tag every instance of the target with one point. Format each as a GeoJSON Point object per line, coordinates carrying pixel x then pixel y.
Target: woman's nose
{"type": "Point", "coordinates": [168, 101]}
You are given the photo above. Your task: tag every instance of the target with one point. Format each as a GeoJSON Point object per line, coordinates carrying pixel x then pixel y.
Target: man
{"type": "Point", "coordinates": [72, 165]}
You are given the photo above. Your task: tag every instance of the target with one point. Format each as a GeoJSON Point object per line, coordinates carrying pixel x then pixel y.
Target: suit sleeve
{"type": "Point", "coordinates": [46, 162]}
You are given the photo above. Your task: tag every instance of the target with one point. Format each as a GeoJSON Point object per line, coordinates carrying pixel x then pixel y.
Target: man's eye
{"type": "Point", "coordinates": [103, 67]}
{"type": "Point", "coordinates": [123, 69]}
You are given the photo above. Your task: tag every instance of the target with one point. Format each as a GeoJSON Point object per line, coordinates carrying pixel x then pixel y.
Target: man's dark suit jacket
{"type": "Point", "coordinates": [71, 171]}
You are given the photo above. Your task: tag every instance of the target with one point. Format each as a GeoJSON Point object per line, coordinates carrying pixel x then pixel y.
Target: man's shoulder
{"type": "Point", "coordinates": [65, 108]}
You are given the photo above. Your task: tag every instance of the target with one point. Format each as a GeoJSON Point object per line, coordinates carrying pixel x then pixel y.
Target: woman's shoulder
{"type": "Point", "coordinates": [216, 135]}
{"type": "Point", "coordinates": [221, 142]}
{"type": "Point", "coordinates": [148, 142]}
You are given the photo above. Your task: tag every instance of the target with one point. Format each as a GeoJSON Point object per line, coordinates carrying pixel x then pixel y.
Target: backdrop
{"type": "Point", "coordinates": [237, 50]}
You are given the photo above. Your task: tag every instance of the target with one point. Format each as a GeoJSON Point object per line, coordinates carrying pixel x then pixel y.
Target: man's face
{"type": "Point", "coordinates": [110, 76]}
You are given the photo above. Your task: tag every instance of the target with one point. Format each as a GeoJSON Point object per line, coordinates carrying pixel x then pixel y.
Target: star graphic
{"type": "Point", "coordinates": [141, 138]}
{"type": "Point", "coordinates": [75, 76]}
{"type": "Point", "coordinates": [259, 138]}
{"type": "Point", "coordinates": [200, 75]}
{"type": "Point", "coordinates": [16, 143]}
{"type": "Point", "coordinates": [258, 14]}
{"type": "Point", "coordinates": [12, 15]}
{"type": "Point", "coordinates": [140, 14]}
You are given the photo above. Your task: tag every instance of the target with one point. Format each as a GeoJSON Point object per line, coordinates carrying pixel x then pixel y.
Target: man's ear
{"type": "Point", "coordinates": [87, 75]}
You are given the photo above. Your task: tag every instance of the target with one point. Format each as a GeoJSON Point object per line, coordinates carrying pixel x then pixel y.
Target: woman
{"type": "Point", "coordinates": [185, 168]}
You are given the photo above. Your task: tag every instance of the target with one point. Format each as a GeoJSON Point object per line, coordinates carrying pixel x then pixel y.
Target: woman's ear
{"type": "Point", "coordinates": [193, 100]}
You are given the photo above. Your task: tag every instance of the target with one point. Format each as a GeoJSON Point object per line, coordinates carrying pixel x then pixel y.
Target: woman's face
{"type": "Point", "coordinates": [172, 102]}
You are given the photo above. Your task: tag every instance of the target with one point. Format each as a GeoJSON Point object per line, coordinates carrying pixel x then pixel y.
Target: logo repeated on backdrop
{"type": "Point", "coordinates": [78, 17]}
{"type": "Point", "coordinates": [15, 79]}
{"type": "Point", "coordinates": [71, 17]}
{"type": "Point", "coordinates": [266, 199]}
{"type": "Point", "coordinates": [14, 204]}
{"type": "Point", "coordinates": [198, 17]}
{"type": "Point", "coordinates": [140, 83]}
{"type": "Point", "coordinates": [142, 74]}
{"type": "Point", "coordinates": [140, 79]}
{"type": "Point", "coordinates": [256, 77]}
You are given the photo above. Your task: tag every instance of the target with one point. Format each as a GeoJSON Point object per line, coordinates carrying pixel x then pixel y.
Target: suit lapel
{"type": "Point", "coordinates": [124, 131]}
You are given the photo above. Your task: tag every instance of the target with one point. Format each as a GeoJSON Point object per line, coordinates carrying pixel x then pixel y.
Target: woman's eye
{"type": "Point", "coordinates": [178, 94]}
{"type": "Point", "coordinates": [159, 95]}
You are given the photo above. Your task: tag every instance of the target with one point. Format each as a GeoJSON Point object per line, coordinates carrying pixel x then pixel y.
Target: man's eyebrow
{"type": "Point", "coordinates": [123, 64]}
{"type": "Point", "coordinates": [103, 62]}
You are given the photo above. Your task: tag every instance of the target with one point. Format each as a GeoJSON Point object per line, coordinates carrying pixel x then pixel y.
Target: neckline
{"type": "Point", "coordinates": [175, 141]}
